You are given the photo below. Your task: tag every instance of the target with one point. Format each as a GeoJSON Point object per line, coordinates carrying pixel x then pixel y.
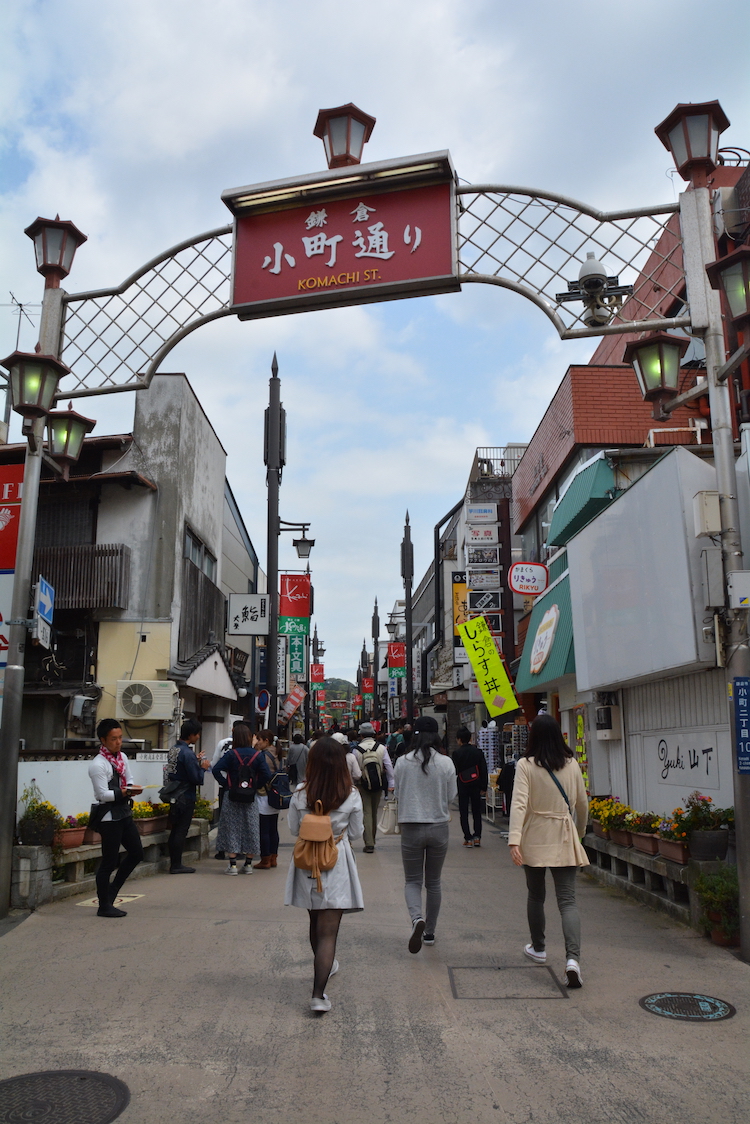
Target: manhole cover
{"type": "Point", "coordinates": [688, 1006]}
{"type": "Point", "coordinates": [67, 1096]}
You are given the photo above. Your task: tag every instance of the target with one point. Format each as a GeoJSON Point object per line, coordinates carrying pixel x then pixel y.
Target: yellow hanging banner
{"type": "Point", "coordinates": [489, 669]}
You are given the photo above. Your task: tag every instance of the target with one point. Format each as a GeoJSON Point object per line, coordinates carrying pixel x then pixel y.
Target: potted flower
{"type": "Point", "coordinates": [40, 819]}
{"type": "Point", "coordinates": [643, 828]}
{"type": "Point", "coordinates": [673, 837]}
{"type": "Point", "coordinates": [707, 827]}
{"type": "Point", "coordinates": [71, 834]}
{"type": "Point", "coordinates": [599, 814]}
{"type": "Point", "coordinates": [619, 824]}
{"type": "Point", "coordinates": [204, 809]}
{"type": "Point", "coordinates": [719, 896]}
{"type": "Point", "coordinates": [150, 818]}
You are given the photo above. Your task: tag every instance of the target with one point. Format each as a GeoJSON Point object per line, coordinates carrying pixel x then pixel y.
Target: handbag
{"type": "Point", "coordinates": [388, 823]}
{"type": "Point", "coordinates": [278, 791]}
{"type": "Point", "coordinates": [470, 775]}
{"type": "Point", "coordinates": [171, 792]}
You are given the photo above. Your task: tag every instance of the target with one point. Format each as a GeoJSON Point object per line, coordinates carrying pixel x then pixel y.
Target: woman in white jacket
{"type": "Point", "coordinates": [547, 816]}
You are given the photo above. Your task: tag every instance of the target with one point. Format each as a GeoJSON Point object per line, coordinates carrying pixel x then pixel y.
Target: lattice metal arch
{"type": "Point", "coordinates": [520, 239]}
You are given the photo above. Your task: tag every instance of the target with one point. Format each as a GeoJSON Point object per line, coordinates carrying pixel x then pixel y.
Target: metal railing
{"type": "Point", "coordinates": [501, 461]}
{"type": "Point", "coordinates": [92, 576]}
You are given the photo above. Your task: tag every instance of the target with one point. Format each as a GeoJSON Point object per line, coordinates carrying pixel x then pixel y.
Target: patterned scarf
{"type": "Point", "coordinates": [117, 764]}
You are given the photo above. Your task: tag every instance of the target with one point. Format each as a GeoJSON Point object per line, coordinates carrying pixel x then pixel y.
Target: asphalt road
{"type": "Point", "coordinates": [198, 1001]}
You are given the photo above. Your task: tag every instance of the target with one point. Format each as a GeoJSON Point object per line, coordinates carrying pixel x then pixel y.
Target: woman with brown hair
{"type": "Point", "coordinates": [327, 779]}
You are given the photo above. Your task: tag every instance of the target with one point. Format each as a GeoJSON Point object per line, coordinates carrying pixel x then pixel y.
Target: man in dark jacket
{"type": "Point", "coordinates": [471, 769]}
{"type": "Point", "coordinates": [189, 770]}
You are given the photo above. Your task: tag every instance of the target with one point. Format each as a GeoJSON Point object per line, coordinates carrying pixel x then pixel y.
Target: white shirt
{"type": "Point", "coordinates": [221, 748]}
{"type": "Point", "coordinates": [100, 772]}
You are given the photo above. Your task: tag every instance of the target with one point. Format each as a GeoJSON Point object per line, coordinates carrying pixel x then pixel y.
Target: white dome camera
{"type": "Point", "coordinates": [596, 315]}
{"type": "Point", "coordinates": [592, 277]}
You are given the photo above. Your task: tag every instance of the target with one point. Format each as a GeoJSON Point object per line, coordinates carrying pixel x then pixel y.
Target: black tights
{"type": "Point", "coordinates": [324, 929]}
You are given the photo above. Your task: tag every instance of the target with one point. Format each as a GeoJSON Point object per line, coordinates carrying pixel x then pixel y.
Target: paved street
{"type": "Point", "coordinates": [198, 1001]}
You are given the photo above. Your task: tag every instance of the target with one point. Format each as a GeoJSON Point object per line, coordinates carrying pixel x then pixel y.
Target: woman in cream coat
{"type": "Point", "coordinates": [545, 828]}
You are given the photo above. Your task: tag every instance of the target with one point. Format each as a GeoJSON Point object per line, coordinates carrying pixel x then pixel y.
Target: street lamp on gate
{"type": "Point", "coordinates": [344, 131]}
{"type": "Point", "coordinates": [656, 362]}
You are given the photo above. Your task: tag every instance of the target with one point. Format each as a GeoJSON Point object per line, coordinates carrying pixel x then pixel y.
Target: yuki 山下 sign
{"type": "Point", "coordinates": [348, 236]}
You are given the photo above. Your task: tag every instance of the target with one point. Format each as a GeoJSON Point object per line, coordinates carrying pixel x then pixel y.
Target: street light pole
{"type": "Point", "coordinates": [273, 458]}
{"type": "Point", "coordinates": [375, 660]}
{"type": "Point", "coordinates": [407, 573]}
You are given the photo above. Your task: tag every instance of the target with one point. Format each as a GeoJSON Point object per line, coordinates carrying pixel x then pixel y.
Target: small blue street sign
{"type": "Point", "coordinates": [741, 692]}
{"type": "Point", "coordinates": [45, 600]}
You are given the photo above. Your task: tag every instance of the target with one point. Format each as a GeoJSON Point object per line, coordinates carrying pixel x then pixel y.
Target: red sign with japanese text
{"type": "Point", "coordinates": [294, 599]}
{"type": "Point", "coordinates": [293, 700]}
{"type": "Point", "coordinates": [370, 247]}
{"type": "Point", "coordinates": [397, 655]}
{"type": "Point", "coordinates": [317, 673]}
{"type": "Point", "coordinates": [368, 685]}
{"type": "Point", "coordinates": [11, 490]}
{"type": "Point", "coordinates": [357, 700]}
{"type": "Point", "coordinates": [321, 696]}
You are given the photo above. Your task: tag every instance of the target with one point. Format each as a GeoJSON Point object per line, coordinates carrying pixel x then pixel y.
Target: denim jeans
{"type": "Point", "coordinates": [423, 850]}
{"type": "Point", "coordinates": [180, 818]}
{"type": "Point", "coordinates": [564, 878]}
{"type": "Point", "coordinates": [269, 835]}
{"type": "Point", "coordinates": [468, 795]}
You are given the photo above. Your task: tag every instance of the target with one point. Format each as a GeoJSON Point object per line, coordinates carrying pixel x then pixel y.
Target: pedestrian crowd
{"type": "Point", "coordinates": [332, 790]}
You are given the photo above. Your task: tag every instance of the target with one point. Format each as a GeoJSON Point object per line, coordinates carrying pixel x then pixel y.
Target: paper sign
{"type": "Point", "coordinates": [489, 669]}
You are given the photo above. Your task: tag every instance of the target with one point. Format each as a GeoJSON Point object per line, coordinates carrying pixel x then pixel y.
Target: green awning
{"type": "Point", "coordinates": [552, 610]}
{"type": "Point", "coordinates": [589, 493]}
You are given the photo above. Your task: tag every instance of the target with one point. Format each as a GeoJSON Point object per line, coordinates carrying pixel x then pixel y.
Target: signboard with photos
{"type": "Point", "coordinates": [486, 578]}
{"type": "Point", "coordinates": [482, 555]}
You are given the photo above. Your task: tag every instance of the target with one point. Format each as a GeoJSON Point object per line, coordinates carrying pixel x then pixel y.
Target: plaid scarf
{"type": "Point", "coordinates": [117, 764]}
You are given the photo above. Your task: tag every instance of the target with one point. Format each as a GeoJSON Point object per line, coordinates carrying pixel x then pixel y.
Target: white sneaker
{"type": "Point", "coordinates": [573, 972]}
{"type": "Point", "coordinates": [537, 957]}
{"type": "Point", "coordinates": [248, 868]}
{"type": "Point", "coordinates": [231, 870]}
{"type": "Point", "coordinates": [334, 969]}
{"type": "Point", "coordinates": [321, 1005]}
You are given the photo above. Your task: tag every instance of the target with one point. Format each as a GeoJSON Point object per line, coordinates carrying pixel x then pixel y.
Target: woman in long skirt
{"type": "Point", "coordinates": [327, 779]}
{"type": "Point", "coordinates": [239, 830]}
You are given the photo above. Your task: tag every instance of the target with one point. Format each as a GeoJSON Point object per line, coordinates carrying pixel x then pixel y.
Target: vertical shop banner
{"type": "Point", "coordinates": [11, 491]}
{"type": "Point", "coordinates": [317, 673]}
{"type": "Point", "coordinates": [489, 669]}
{"type": "Point", "coordinates": [281, 665]}
{"type": "Point", "coordinates": [579, 745]}
{"type": "Point", "coordinates": [293, 701]}
{"type": "Point", "coordinates": [357, 700]}
{"type": "Point", "coordinates": [368, 685]}
{"type": "Point", "coordinates": [397, 661]}
{"type": "Point", "coordinates": [294, 597]}
{"type": "Point", "coordinates": [460, 599]}
{"type": "Point", "coordinates": [321, 696]}
{"type": "Point", "coordinates": [294, 626]}
{"type": "Point", "coordinates": [297, 656]}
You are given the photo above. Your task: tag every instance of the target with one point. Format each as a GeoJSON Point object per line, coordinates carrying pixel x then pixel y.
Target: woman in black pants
{"type": "Point", "coordinates": [113, 788]}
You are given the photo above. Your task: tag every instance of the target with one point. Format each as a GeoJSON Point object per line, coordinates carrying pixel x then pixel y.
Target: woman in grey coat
{"type": "Point", "coordinates": [327, 780]}
{"type": "Point", "coordinates": [425, 784]}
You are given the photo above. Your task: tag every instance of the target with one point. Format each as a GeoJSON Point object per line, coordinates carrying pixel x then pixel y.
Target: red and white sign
{"type": "Point", "coordinates": [293, 700]}
{"type": "Point", "coordinates": [368, 686]}
{"type": "Point", "coordinates": [294, 599]}
{"type": "Point", "coordinates": [528, 578]}
{"type": "Point", "coordinates": [481, 536]}
{"type": "Point", "coordinates": [317, 673]}
{"type": "Point", "coordinates": [378, 244]}
{"type": "Point", "coordinates": [357, 700]}
{"type": "Point", "coordinates": [321, 696]}
{"type": "Point", "coordinates": [11, 491]}
{"type": "Point", "coordinates": [397, 655]}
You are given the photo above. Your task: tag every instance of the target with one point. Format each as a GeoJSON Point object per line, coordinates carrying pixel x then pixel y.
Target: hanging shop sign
{"type": "Point", "coordinates": [484, 601]}
{"type": "Point", "coordinates": [11, 491]}
{"type": "Point", "coordinates": [317, 673]}
{"type": "Point", "coordinates": [483, 579]}
{"type": "Point", "coordinates": [581, 747]}
{"type": "Point", "coordinates": [482, 555]}
{"type": "Point", "coordinates": [481, 513]}
{"type": "Point", "coordinates": [294, 626]}
{"type": "Point", "coordinates": [528, 578]}
{"type": "Point", "coordinates": [293, 701]}
{"type": "Point", "coordinates": [297, 656]}
{"type": "Point", "coordinates": [248, 614]}
{"type": "Point", "coordinates": [396, 661]}
{"type": "Point", "coordinates": [368, 685]}
{"type": "Point", "coordinates": [460, 606]}
{"type": "Point", "coordinates": [488, 668]}
{"type": "Point", "coordinates": [479, 535]}
{"type": "Point", "coordinates": [349, 236]}
{"type": "Point", "coordinates": [320, 696]}
{"type": "Point", "coordinates": [294, 597]}
{"type": "Point", "coordinates": [281, 664]}
{"type": "Point", "coordinates": [357, 700]}
{"type": "Point", "coordinates": [544, 639]}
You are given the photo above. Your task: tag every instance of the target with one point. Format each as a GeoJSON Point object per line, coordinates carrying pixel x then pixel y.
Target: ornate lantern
{"type": "Point", "coordinates": [66, 430]}
{"type": "Point", "coordinates": [691, 134]}
{"type": "Point", "coordinates": [344, 132]}
{"type": "Point", "coordinates": [55, 243]}
{"type": "Point", "coordinates": [656, 361]}
{"type": "Point", "coordinates": [732, 274]}
{"type": "Point", "coordinates": [33, 382]}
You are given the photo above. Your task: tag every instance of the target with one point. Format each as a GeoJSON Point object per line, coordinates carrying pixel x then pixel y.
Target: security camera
{"type": "Point", "coordinates": [596, 314]}
{"type": "Point", "coordinates": [592, 277]}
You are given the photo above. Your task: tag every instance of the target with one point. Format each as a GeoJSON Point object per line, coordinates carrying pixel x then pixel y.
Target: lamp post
{"type": "Point", "coordinates": [274, 458]}
{"type": "Point", "coordinates": [656, 361]}
{"type": "Point", "coordinates": [375, 660]}
{"type": "Point", "coordinates": [33, 382]}
{"type": "Point", "coordinates": [407, 573]}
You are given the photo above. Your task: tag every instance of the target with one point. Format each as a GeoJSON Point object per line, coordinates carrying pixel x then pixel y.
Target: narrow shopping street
{"type": "Point", "coordinates": [198, 1001]}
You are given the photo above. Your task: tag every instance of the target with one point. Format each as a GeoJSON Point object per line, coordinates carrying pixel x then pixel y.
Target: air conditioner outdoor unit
{"type": "Point", "coordinates": [149, 700]}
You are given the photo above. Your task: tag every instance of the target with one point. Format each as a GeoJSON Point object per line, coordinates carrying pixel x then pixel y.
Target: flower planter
{"type": "Point", "coordinates": [601, 832]}
{"type": "Point", "coordinates": [34, 834]}
{"type": "Point", "coordinates": [673, 850]}
{"type": "Point", "coordinates": [624, 838]}
{"type": "Point", "coordinates": [718, 936]}
{"type": "Point", "coordinates": [90, 837]}
{"type": "Point", "coordinates": [151, 825]}
{"type": "Point", "coordinates": [642, 841]}
{"type": "Point", "coordinates": [707, 846]}
{"type": "Point", "coordinates": [70, 837]}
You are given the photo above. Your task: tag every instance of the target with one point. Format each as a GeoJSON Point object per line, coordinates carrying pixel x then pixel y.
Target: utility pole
{"type": "Point", "coordinates": [407, 573]}
{"type": "Point", "coordinates": [274, 458]}
{"type": "Point", "coordinates": [375, 660]}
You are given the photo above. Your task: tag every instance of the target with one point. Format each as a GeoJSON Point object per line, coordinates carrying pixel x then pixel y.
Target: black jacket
{"type": "Point", "coordinates": [465, 757]}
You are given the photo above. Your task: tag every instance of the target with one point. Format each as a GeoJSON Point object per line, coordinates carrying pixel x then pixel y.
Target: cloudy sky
{"type": "Point", "coordinates": [132, 118]}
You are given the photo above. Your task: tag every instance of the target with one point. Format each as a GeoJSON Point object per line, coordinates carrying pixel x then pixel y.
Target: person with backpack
{"type": "Point", "coordinates": [185, 767]}
{"type": "Point", "coordinates": [296, 760]}
{"type": "Point", "coordinates": [242, 771]}
{"type": "Point", "coordinates": [377, 777]}
{"type": "Point", "coordinates": [471, 770]}
{"type": "Point", "coordinates": [425, 785]}
{"type": "Point", "coordinates": [547, 818]}
{"type": "Point", "coordinates": [325, 814]}
{"type": "Point", "coordinates": [268, 815]}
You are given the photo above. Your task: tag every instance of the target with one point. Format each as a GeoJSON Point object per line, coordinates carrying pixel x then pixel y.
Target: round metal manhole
{"type": "Point", "coordinates": [66, 1096]}
{"type": "Point", "coordinates": [688, 1006]}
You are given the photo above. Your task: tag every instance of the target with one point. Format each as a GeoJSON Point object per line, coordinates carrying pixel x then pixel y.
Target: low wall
{"type": "Point", "coordinates": [32, 883]}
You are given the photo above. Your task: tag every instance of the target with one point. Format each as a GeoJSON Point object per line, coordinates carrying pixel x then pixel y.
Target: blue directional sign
{"type": "Point", "coordinates": [45, 600]}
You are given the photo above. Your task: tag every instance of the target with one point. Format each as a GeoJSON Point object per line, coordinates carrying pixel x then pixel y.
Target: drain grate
{"type": "Point", "coordinates": [67, 1096]}
{"type": "Point", "coordinates": [688, 1006]}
